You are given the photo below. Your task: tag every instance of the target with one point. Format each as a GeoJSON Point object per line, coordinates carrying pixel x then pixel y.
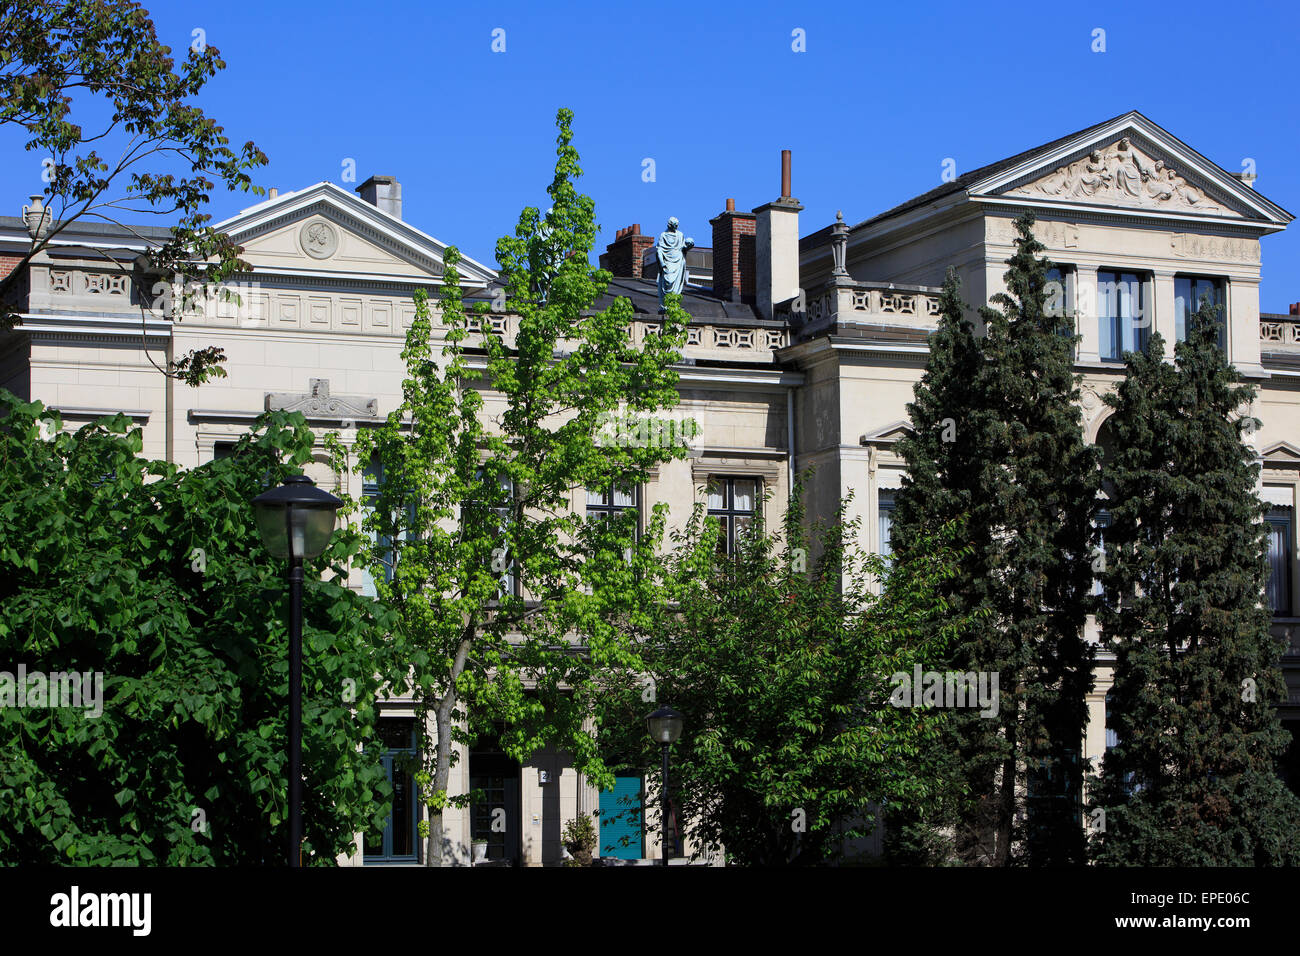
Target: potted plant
{"type": "Point", "coordinates": [579, 840]}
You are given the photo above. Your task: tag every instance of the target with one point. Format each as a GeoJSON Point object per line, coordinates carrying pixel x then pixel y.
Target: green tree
{"type": "Point", "coordinates": [1192, 781]}
{"type": "Point", "coordinates": [998, 439]}
{"type": "Point", "coordinates": [501, 588]}
{"type": "Point", "coordinates": [782, 667]}
{"type": "Point", "coordinates": [148, 148]}
{"type": "Point", "coordinates": [155, 579]}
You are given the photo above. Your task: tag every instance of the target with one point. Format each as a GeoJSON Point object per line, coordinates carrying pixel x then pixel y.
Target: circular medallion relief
{"type": "Point", "coordinates": [318, 239]}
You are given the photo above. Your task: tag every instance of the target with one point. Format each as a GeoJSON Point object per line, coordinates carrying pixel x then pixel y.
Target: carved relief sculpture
{"type": "Point", "coordinates": [1126, 176]}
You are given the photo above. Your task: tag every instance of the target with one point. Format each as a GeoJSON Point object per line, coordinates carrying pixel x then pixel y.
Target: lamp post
{"type": "Point", "coordinates": [295, 521]}
{"type": "Point", "coordinates": [665, 726]}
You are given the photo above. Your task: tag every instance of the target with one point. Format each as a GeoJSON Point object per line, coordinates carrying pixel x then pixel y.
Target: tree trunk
{"type": "Point", "coordinates": [441, 777]}
{"type": "Point", "coordinates": [442, 753]}
{"type": "Point", "coordinates": [1003, 827]}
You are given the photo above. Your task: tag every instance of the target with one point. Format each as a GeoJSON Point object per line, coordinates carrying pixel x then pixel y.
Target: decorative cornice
{"type": "Point", "coordinates": [318, 403]}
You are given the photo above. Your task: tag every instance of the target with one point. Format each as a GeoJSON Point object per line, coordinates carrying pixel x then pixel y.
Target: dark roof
{"type": "Point", "coordinates": [700, 303]}
{"type": "Point", "coordinates": [960, 183]}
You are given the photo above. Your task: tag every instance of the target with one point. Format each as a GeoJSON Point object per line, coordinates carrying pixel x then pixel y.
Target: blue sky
{"type": "Point", "coordinates": [712, 92]}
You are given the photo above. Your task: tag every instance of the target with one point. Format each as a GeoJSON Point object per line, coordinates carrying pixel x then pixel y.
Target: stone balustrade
{"type": "Point", "coordinates": [1279, 332]}
{"type": "Point", "coordinates": [846, 301]}
{"type": "Point", "coordinates": [736, 342]}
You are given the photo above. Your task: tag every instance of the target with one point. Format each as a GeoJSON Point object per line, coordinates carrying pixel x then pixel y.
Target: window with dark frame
{"type": "Point", "coordinates": [398, 842]}
{"type": "Point", "coordinates": [1188, 293]}
{"type": "Point", "coordinates": [1059, 303]}
{"type": "Point", "coordinates": [1101, 522]}
{"type": "Point", "coordinates": [733, 502]}
{"type": "Point", "coordinates": [885, 519]}
{"type": "Point", "coordinates": [372, 480]}
{"type": "Point", "coordinates": [1122, 313]}
{"type": "Point", "coordinates": [1278, 586]}
{"type": "Point", "coordinates": [1112, 739]}
{"type": "Point", "coordinates": [509, 577]}
{"type": "Point", "coordinates": [611, 501]}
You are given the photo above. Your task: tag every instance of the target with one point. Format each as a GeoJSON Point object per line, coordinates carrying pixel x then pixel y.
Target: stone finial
{"type": "Point", "coordinates": [839, 245]}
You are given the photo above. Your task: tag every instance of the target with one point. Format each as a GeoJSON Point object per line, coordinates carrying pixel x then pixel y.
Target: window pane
{"type": "Point", "coordinates": [1278, 586]}
{"type": "Point", "coordinates": [1057, 303]}
{"type": "Point", "coordinates": [746, 490]}
{"type": "Point", "coordinates": [597, 497]}
{"type": "Point", "coordinates": [625, 497]}
{"type": "Point", "coordinates": [886, 518]}
{"type": "Point", "coordinates": [1188, 292]}
{"type": "Point", "coordinates": [743, 525]}
{"type": "Point", "coordinates": [1122, 313]}
{"type": "Point", "coordinates": [717, 495]}
{"type": "Point", "coordinates": [1103, 522]}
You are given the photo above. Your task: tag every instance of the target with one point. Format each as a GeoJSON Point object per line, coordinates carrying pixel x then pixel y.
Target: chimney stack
{"type": "Point", "coordinates": [622, 257]}
{"type": "Point", "coordinates": [384, 193]}
{"type": "Point", "coordinates": [1295, 308]}
{"type": "Point", "coordinates": [733, 254]}
{"type": "Point", "coordinates": [272, 193]}
{"type": "Point", "coordinates": [776, 240]}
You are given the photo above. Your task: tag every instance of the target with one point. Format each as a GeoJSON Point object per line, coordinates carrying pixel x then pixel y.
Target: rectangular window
{"type": "Point", "coordinates": [502, 562]}
{"type": "Point", "coordinates": [398, 841]}
{"type": "Point", "coordinates": [1112, 738]}
{"type": "Point", "coordinates": [1123, 313]}
{"type": "Point", "coordinates": [1102, 522]}
{"type": "Point", "coordinates": [606, 504]}
{"type": "Point", "coordinates": [223, 449]}
{"type": "Point", "coordinates": [371, 480]}
{"type": "Point", "coordinates": [1278, 587]}
{"type": "Point", "coordinates": [1059, 303]}
{"type": "Point", "coordinates": [885, 519]}
{"type": "Point", "coordinates": [733, 502]}
{"type": "Point", "coordinates": [1188, 293]}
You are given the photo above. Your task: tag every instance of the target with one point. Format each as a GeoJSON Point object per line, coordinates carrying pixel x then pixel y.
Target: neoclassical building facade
{"type": "Point", "coordinates": [803, 350]}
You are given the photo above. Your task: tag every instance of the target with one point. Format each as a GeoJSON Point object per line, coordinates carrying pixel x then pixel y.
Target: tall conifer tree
{"type": "Point", "coordinates": [998, 442]}
{"type": "Point", "coordinates": [1192, 778]}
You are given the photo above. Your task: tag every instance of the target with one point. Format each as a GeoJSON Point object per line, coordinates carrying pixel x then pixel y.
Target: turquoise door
{"type": "Point", "coordinates": [621, 832]}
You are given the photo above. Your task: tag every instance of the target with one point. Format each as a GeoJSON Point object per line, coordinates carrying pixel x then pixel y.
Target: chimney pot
{"type": "Point", "coordinates": [731, 205]}
{"type": "Point", "coordinates": [272, 193]}
{"type": "Point", "coordinates": [785, 174]}
{"type": "Point", "coordinates": [622, 257]}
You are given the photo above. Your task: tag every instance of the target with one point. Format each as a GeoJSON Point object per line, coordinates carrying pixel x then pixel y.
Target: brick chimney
{"type": "Point", "coordinates": [733, 254]}
{"type": "Point", "coordinates": [1295, 308]}
{"type": "Point", "coordinates": [384, 193]}
{"type": "Point", "coordinates": [776, 247]}
{"type": "Point", "coordinates": [622, 257]}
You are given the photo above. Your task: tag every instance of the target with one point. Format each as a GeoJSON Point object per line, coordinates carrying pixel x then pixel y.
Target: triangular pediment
{"type": "Point", "coordinates": [327, 230]}
{"type": "Point", "coordinates": [1281, 453]}
{"type": "Point", "coordinates": [1129, 166]}
{"type": "Point", "coordinates": [888, 434]}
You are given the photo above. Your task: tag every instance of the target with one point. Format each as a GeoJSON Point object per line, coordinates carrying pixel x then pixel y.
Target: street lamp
{"type": "Point", "coordinates": [665, 726]}
{"type": "Point", "coordinates": [295, 521]}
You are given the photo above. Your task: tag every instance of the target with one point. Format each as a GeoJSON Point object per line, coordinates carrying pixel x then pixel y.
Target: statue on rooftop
{"type": "Point", "coordinates": [671, 251]}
